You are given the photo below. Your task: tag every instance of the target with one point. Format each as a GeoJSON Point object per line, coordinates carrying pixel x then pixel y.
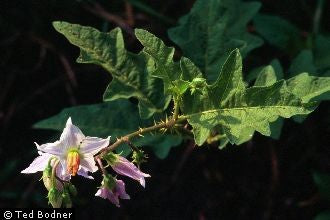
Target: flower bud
{"type": "Point", "coordinates": [46, 178]}
{"type": "Point", "coordinates": [124, 167]}
{"type": "Point", "coordinates": [139, 157]}
{"type": "Point", "coordinates": [54, 197]}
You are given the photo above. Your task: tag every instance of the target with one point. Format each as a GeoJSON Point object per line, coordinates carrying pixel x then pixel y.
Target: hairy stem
{"type": "Point", "coordinates": [176, 109]}
{"type": "Point", "coordinates": [140, 132]}
{"type": "Point", "coordinates": [98, 159]}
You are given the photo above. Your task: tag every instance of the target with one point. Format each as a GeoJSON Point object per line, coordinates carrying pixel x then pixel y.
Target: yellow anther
{"type": "Point", "coordinates": [73, 161]}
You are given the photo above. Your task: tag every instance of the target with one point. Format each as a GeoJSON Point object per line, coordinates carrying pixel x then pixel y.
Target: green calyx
{"type": "Point", "coordinates": [139, 157]}
{"type": "Point", "coordinates": [109, 181]}
{"type": "Point", "coordinates": [54, 197]}
{"type": "Point", "coordinates": [46, 175]}
{"type": "Point", "coordinates": [47, 171]}
{"type": "Point", "coordinates": [111, 158]}
{"type": "Point", "coordinates": [46, 178]}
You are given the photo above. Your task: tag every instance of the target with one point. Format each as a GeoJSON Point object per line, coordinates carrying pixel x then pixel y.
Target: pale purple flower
{"type": "Point", "coordinates": [124, 167]}
{"type": "Point", "coordinates": [113, 195]}
{"type": "Point", "coordinates": [74, 151]}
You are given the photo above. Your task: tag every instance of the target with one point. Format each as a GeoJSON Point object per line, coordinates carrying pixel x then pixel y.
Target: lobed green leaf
{"type": "Point", "coordinates": [240, 110]}
{"type": "Point", "coordinates": [209, 32]}
{"type": "Point", "coordinates": [130, 72]}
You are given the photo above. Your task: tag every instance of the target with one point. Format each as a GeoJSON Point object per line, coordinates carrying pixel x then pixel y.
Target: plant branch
{"type": "Point", "coordinates": [176, 109]}
{"type": "Point", "coordinates": [167, 124]}
{"type": "Point", "coordinates": [98, 159]}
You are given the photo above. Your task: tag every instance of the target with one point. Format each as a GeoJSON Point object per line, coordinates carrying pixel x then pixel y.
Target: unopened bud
{"type": "Point", "coordinates": [46, 178]}
{"type": "Point", "coordinates": [54, 197]}
{"type": "Point", "coordinates": [111, 158]}
{"type": "Point", "coordinates": [139, 157]}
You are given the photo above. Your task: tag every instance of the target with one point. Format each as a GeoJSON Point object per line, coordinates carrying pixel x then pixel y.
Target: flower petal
{"type": "Point", "coordinates": [83, 172]}
{"type": "Point", "coordinates": [88, 163]}
{"type": "Point", "coordinates": [61, 170]}
{"type": "Point", "coordinates": [127, 168]}
{"type": "Point", "coordinates": [107, 194]}
{"type": "Point", "coordinates": [120, 189]}
{"type": "Point", "coordinates": [71, 135]}
{"type": "Point", "coordinates": [101, 193]}
{"type": "Point", "coordinates": [38, 164]}
{"type": "Point", "coordinates": [93, 145]}
{"type": "Point", "coordinates": [55, 148]}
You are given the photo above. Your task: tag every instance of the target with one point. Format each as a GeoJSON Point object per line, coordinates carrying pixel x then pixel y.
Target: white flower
{"type": "Point", "coordinates": [74, 151]}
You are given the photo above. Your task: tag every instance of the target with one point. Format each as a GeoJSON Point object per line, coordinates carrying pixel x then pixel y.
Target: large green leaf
{"type": "Point", "coordinates": [276, 68]}
{"type": "Point", "coordinates": [308, 87]}
{"type": "Point", "coordinates": [173, 74]}
{"type": "Point", "coordinates": [304, 62]}
{"type": "Point", "coordinates": [115, 118]}
{"type": "Point", "coordinates": [130, 72]}
{"type": "Point", "coordinates": [310, 62]}
{"type": "Point", "coordinates": [239, 109]}
{"type": "Point", "coordinates": [278, 32]}
{"type": "Point", "coordinates": [266, 76]}
{"type": "Point", "coordinates": [214, 28]}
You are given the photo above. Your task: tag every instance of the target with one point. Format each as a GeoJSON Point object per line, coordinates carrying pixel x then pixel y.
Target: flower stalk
{"type": "Point", "coordinates": [99, 162]}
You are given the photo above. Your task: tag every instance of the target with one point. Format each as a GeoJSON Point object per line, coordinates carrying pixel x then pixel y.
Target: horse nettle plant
{"type": "Point", "coordinates": [212, 104]}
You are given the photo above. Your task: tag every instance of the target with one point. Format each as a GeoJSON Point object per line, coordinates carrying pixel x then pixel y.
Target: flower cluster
{"type": "Point", "coordinates": [74, 154]}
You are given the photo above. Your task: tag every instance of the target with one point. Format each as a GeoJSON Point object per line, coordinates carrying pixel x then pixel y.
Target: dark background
{"type": "Point", "coordinates": [262, 179]}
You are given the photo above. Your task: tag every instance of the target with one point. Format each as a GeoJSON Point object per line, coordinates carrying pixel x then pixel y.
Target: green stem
{"type": "Point", "coordinates": [140, 132]}
{"type": "Point", "coordinates": [176, 109]}
{"type": "Point", "coordinates": [317, 16]}
{"type": "Point", "coordinates": [215, 138]}
{"type": "Point", "coordinates": [167, 124]}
